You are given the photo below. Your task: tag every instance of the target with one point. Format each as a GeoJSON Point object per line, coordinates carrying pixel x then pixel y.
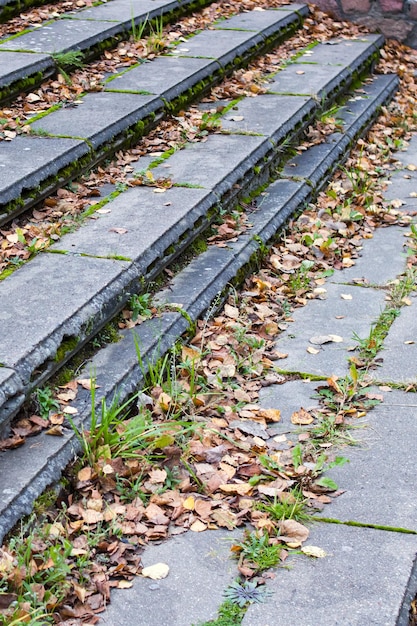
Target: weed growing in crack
{"type": "Point", "coordinates": [256, 551]}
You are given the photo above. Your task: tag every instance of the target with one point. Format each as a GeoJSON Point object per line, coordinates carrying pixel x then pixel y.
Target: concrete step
{"type": "Point", "coordinates": [33, 55]}
{"type": "Point", "coordinates": [73, 139]}
{"type": "Point", "coordinates": [46, 322]}
{"type": "Point", "coordinates": [95, 285]}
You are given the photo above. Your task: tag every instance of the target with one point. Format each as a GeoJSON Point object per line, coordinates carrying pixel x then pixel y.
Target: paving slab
{"type": "Point", "coordinates": [408, 155]}
{"type": "Point", "coordinates": [140, 224]}
{"type": "Point", "coordinates": [360, 582]}
{"type": "Point", "coordinates": [403, 186]}
{"type": "Point", "coordinates": [318, 80]}
{"type": "Point", "coordinates": [332, 316]}
{"type": "Point", "coordinates": [53, 296]}
{"type": "Point", "coordinates": [288, 398]}
{"type": "Point", "coordinates": [259, 20]}
{"type": "Point", "coordinates": [399, 355]}
{"type": "Point", "coordinates": [379, 481]}
{"type": "Point", "coordinates": [99, 117]}
{"type": "Point", "coordinates": [17, 65]}
{"type": "Point", "coordinates": [340, 51]}
{"type": "Point", "coordinates": [62, 36]}
{"type": "Point", "coordinates": [26, 162]}
{"type": "Point", "coordinates": [371, 267]}
{"type": "Point", "coordinates": [167, 76]}
{"type": "Point", "coordinates": [123, 11]}
{"type": "Point", "coordinates": [272, 115]}
{"type": "Point", "coordinates": [222, 45]}
{"type": "Point", "coordinates": [200, 570]}
{"type": "Point", "coordinates": [239, 152]}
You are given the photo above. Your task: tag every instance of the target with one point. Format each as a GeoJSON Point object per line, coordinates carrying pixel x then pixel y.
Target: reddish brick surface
{"type": "Point", "coordinates": [392, 28]}
{"type": "Point", "coordinates": [328, 6]}
{"type": "Point", "coordinates": [356, 6]}
{"type": "Point", "coordinates": [391, 6]}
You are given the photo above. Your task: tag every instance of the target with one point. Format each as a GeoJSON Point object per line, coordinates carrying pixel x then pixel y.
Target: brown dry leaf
{"type": "Point", "coordinates": [198, 526]}
{"type": "Point", "coordinates": [231, 311]}
{"type": "Point", "coordinates": [293, 533]}
{"type": "Point", "coordinates": [85, 474]}
{"type": "Point", "coordinates": [156, 572]}
{"type": "Point", "coordinates": [119, 231]}
{"type": "Point", "coordinates": [241, 489]}
{"type": "Point", "coordinates": [55, 431]}
{"type": "Point", "coordinates": [301, 417]}
{"type": "Point", "coordinates": [270, 415]}
{"type": "Point", "coordinates": [224, 518]}
{"type": "Point", "coordinates": [203, 508]}
{"type": "Point", "coordinates": [90, 516]}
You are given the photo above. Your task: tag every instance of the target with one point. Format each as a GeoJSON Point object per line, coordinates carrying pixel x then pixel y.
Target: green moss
{"type": "Point", "coordinates": [67, 345]}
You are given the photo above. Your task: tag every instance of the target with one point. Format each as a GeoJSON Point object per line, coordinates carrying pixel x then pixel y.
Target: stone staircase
{"type": "Point", "coordinates": [56, 303]}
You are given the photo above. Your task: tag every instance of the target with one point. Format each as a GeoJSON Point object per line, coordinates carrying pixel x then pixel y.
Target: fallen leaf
{"type": "Point", "coordinates": [301, 417]}
{"type": "Point", "coordinates": [118, 231]}
{"type": "Point", "coordinates": [156, 572]}
{"type": "Point", "coordinates": [321, 339]}
{"type": "Point", "coordinates": [312, 350]}
{"type": "Point", "coordinates": [198, 526]}
{"type": "Point", "coordinates": [124, 584]}
{"type": "Point", "coordinates": [314, 551]}
{"type": "Point", "coordinates": [293, 533]}
{"type": "Point", "coordinates": [189, 503]}
{"type": "Point", "coordinates": [241, 489]}
{"type": "Point", "coordinates": [346, 296]}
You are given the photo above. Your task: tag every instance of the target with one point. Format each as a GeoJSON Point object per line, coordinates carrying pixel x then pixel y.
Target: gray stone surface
{"type": "Point", "coordinates": [341, 51]}
{"type": "Point", "coordinates": [25, 162]}
{"type": "Point", "coordinates": [222, 45]}
{"type": "Point", "coordinates": [99, 117]}
{"type": "Point", "coordinates": [379, 482]}
{"type": "Point", "coordinates": [139, 221]}
{"type": "Point", "coordinates": [403, 186]}
{"type": "Point", "coordinates": [332, 316]}
{"type": "Point", "coordinates": [272, 115]}
{"type": "Point", "coordinates": [124, 10]}
{"type": "Point", "coordinates": [399, 357]}
{"type": "Point", "coordinates": [258, 20]}
{"type": "Point", "coordinates": [166, 76]}
{"type": "Point", "coordinates": [360, 582]}
{"type": "Point", "coordinates": [372, 268]}
{"type": "Point", "coordinates": [200, 570]}
{"type": "Point", "coordinates": [308, 80]}
{"type": "Point", "coordinates": [408, 155]}
{"type": "Point", "coordinates": [288, 398]}
{"type": "Point", "coordinates": [52, 296]}
{"type": "Point", "coordinates": [239, 152]}
{"type": "Point", "coordinates": [62, 36]}
{"type": "Point", "coordinates": [17, 65]}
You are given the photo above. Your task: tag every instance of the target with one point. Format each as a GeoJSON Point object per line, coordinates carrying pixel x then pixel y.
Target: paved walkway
{"type": "Point", "coordinates": [369, 574]}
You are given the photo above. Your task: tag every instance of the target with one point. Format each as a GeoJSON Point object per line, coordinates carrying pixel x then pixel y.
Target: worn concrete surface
{"type": "Point", "coordinates": [200, 570]}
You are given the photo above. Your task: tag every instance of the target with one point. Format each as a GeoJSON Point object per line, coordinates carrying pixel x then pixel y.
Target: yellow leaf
{"type": "Point", "coordinates": [318, 553]}
{"type": "Point", "coordinates": [189, 503]}
{"type": "Point", "coordinates": [124, 584]}
{"type": "Point", "coordinates": [156, 572]}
